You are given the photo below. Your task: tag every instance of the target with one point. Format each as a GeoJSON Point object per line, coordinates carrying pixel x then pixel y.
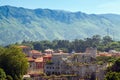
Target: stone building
{"type": "Point", "coordinates": [80, 64]}
{"type": "Point", "coordinates": [26, 50]}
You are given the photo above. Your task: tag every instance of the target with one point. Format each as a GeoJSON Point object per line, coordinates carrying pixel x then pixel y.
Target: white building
{"type": "Point", "coordinates": [77, 63]}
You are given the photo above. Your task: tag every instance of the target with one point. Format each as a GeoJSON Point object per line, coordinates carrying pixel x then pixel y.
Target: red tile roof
{"type": "Point", "coordinates": [23, 46]}
{"type": "Point", "coordinates": [35, 52]}
{"type": "Point", "coordinates": [40, 59]}
{"type": "Point", "coordinates": [104, 54]}
{"type": "Point", "coordinates": [30, 59]}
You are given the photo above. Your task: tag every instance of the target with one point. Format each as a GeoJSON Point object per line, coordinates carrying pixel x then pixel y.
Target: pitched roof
{"type": "Point", "coordinates": [104, 54]}
{"type": "Point", "coordinates": [40, 59]}
{"type": "Point", "coordinates": [30, 59]}
{"type": "Point", "coordinates": [35, 52]}
{"type": "Point", "coordinates": [22, 46]}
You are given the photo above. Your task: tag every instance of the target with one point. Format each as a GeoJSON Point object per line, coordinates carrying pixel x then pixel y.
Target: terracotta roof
{"type": "Point", "coordinates": [104, 54]}
{"type": "Point", "coordinates": [35, 52]}
{"type": "Point", "coordinates": [40, 59]}
{"type": "Point", "coordinates": [30, 59]}
{"type": "Point", "coordinates": [23, 46]}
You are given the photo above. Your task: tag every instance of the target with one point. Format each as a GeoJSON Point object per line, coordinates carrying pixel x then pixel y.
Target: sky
{"type": "Point", "coordinates": [86, 6]}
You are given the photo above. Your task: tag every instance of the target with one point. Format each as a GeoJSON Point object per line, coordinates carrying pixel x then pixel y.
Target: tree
{"type": "Point", "coordinates": [105, 59]}
{"type": "Point", "coordinates": [114, 71]}
{"type": "Point", "coordinates": [38, 46]}
{"type": "Point", "coordinates": [112, 76]}
{"type": "Point", "coordinates": [13, 61]}
{"type": "Point", "coordinates": [9, 77]}
{"type": "Point", "coordinates": [114, 46]}
{"type": "Point", "coordinates": [107, 40]}
{"type": "Point", "coordinates": [2, 74]}
{"type": "Point", "coordinates": [96, 39]}
{"type": "Point", "coordinates": [116, 66]}
{"type": "Point", "coordinates": [78, 45]}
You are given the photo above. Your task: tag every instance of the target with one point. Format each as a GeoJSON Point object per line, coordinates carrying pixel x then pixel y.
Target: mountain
{"type": "Point", "coordinates": [18, 24]}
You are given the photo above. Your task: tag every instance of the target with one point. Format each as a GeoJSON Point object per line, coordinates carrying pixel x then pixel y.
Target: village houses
{"type": "Point", "coordinates": [59, 63]}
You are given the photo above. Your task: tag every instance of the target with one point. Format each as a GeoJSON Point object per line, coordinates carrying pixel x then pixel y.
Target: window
{"type": "Point", "coordinates": [47, 67]}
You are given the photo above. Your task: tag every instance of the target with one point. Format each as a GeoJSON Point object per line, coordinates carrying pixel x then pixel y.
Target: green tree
{"type": "Point", "coordinates": [96, 40]}
{"type": "Point", "coordinates": [105, 59]}
{"type": "Point", "coordinates": [78, 45]}
{"type": "Point", "coordinates": [112, 76]}
{"type": "Point", "coordinates": [114, 46]}
{"type": "Point", "coordinates": [113, 71]}
{"type": "Point", "coordinates": [116, 66]}
{"type": "Point", "coordinates": [13, 61]}
{"type": "Point", "coordinates": [106, 40]}
{"type": "Point", "coordinates": [9, 77]}
{"type": "Point", "coordinates": [2, 74]}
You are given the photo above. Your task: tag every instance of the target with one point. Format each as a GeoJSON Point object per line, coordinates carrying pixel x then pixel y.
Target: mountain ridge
{"type": "Point", "coordinates": [18, 24]}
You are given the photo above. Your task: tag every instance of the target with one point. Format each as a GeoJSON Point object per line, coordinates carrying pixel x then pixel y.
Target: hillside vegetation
{"type": "Point", "coordinates": [102, 44]}
{"type": "Point", "coordinates": [18, 24]}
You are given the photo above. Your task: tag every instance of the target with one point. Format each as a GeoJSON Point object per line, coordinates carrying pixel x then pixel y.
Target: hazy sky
{"type": "Point", "coordinates": [87, 6]}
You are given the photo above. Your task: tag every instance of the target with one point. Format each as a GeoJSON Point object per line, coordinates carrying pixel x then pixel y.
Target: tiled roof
{"type": "Point", "coordinates": [35, 52]}
{"type": "Point", "coordinates": [23, 46]}
{"type": "Point", "coordinates": [40, 59]}
{"type": "Point", "coordinates": [104, 54]}
{"type": "Point", "coordinates": [30, 59]}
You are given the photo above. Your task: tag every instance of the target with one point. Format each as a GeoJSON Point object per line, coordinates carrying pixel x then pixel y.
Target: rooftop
{"type": "Point", "coordinates": [40, 59]}
{"type": "Point", "coordinates": [22, 46]}
{"type": "Point", "coordinates": [48, 55]}
{"type": "Point", "coordinates": [30, 59]}
{"type": "Point", "coordinates": [35, 52]}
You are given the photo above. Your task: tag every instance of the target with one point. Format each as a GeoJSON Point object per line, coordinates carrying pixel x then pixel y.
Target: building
{"type": "Point", "coordinates": [35, 54]}
{"type": "Point", "coordinates": [31, 64]}
{"type": "Point", "coordinates": [60, 63]}
{"type": "Point", "coordinates": [26, 50]}
{"type": "Point", "coordinates": [49, 51]}
{"type": "Point", "coordinates": [81, 64]}
{"type": "Point", "coordinates": [56, 64]}
{"type": "Point", "coordinates": [39, 63]}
